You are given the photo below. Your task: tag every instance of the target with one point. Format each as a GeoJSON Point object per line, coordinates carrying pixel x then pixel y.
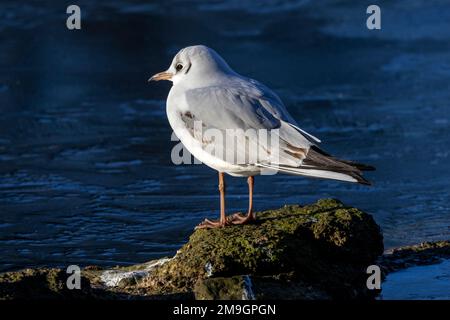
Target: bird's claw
{"type": "Point", "coordinates": [239, 218]}
{"type": "Point", "coordinates": [210, 224]}
{"type": "Point", "coordinates": [234, 219]}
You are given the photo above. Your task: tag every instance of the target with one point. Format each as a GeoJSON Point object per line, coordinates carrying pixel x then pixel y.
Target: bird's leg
{"type": "Point", "coordinates": [251, 183]}
{"type": "Point", "coordinates": [240, 219]}
{"type": "Point", "coordinates": [223, 219]}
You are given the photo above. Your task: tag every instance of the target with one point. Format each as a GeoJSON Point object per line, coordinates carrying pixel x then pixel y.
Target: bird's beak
{"type": "Point", "coordinates": [161, 76]}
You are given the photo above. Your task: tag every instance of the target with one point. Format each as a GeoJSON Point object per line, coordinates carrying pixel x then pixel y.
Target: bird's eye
{"type": "Point", "coordinates": [179, 67]}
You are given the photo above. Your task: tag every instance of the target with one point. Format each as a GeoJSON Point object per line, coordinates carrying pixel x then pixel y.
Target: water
{"type": "Point", "coordinates": [85, 169]}
{"type": "Point", "coordinates": [419, 283]}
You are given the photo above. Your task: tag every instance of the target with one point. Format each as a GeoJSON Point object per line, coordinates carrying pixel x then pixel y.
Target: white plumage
{"type": "Point", "coordinates": [205, 89]}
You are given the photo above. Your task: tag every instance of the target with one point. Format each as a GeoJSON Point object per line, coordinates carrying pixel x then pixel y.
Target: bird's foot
{"type": "Point", "coordinates": [239, 218]}
{"type": "Point", "coordinates": [234, 219]}
{"type": "Point", "coordinates": [210, 224]}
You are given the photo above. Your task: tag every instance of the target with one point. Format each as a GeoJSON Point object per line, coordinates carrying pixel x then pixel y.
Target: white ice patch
{"type": "Point", "coordinates": [209, 269]}
{"type": "Point", "coordinates": [112, 278]}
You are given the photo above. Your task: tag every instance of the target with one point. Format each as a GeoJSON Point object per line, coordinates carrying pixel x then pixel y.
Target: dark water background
{"type": "Point", "coordinates": [85, 169]}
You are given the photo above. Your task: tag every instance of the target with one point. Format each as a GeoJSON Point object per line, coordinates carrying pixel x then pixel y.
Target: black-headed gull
{"type": "Point", "coordinates": [238, 126]}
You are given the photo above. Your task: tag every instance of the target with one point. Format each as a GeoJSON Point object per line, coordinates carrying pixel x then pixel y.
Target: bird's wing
{"type": "Point", "coordinates": [286, 147]}
{"type": "Point", "coordinates": [243, 114]}
{"type": "Point", "coordinates": [277, 107]}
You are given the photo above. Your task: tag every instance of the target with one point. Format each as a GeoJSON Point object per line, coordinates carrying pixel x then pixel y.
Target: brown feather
{"type": "Point", "coordinates": [319, 159]}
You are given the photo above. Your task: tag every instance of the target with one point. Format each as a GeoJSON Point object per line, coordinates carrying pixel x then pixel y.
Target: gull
{"type": "Point", "coordinates": [208, 95]}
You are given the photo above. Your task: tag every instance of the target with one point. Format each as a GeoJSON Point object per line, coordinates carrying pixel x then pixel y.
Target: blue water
{"type": "Point", "coordinates": [430, 282]}
{"type": "Point", "coordinates": [85, 169]}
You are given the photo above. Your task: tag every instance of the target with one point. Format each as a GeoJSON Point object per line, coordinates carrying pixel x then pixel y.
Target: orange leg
{"type": "Point", "coordinates": [222, 222]}
{"type": "Point", "coordinates": [240, 219]}
{"type": "Point", "coordinates": [235, 218]}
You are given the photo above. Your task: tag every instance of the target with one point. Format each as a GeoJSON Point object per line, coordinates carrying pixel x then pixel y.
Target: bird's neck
{"type": "Point", "coordinates": [209, 79]}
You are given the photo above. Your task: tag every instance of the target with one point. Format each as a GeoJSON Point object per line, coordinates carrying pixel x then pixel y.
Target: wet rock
{"type": "Point", "coordinates": [129, 276]}
{"type": "Point", "coordinates": [230, 288]}
{"type": "Point", "coordinates": [409, 256]}
{"type": "Point", "coordinates": [325, 245]}
{"type": "Point", "coordinates": [41, 284]}
{"type": "Point", "coordinates": [245, 287]}
{"type": "Point", "coordinates": [318, 251]}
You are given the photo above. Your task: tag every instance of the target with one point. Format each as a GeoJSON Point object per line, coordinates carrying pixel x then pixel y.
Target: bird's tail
{"type": "Point", "coordinates": [319, 164]}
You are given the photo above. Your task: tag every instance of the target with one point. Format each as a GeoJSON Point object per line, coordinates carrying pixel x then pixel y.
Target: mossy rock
{"type": "Point", "coordinates": [41, 284]}
{"type": "Point", "coordinates": [318, 251]}
{"type": "Point", "coordinates": [231, 288]}
{"type": "Point", "coordinates": [327, 244]}
{"type": "Point", "coordinates": [424, 253]}
{"type": "Point", "coordinates": [245, 287]}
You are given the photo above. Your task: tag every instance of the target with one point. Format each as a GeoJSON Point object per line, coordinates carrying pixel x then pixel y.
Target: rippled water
{"type": "Point", "coordinates": [419, 283]}
{"type": "Point", "coordinates": [85, 169]}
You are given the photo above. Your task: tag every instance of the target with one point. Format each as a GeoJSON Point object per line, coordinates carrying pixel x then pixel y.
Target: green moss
{"type": "Point", "coordinates": [315, 251]}
{"type": "Point", "coordinates": [280, 286]}
{"type": "Point", "coordinates": [294, 238]}
{"type": "Point", "coordinates": [40, 284]}
{"type": "Point", "coordinates": [231, 288]}
{"type": "Point", "coordinates": [421, 254]}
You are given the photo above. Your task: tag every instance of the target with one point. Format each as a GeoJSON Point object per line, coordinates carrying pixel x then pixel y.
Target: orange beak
{"type": "Point", "coordinates": [161, 76]}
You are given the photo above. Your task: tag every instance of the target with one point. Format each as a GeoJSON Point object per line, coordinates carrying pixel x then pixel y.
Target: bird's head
{"type": "Point", "coordinates": [195, 65]}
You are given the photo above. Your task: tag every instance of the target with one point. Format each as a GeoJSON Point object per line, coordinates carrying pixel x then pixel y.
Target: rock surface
{"type": "Point", "coordinates": [409, 256]}
{"type": "Point", "coordinates": [325, 247]}
{"type": "Point", "coordinates": [41, 284]}
{"type": "Point", "coordinates": [318, 251]}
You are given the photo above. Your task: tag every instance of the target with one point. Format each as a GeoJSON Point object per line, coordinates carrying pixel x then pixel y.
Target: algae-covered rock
{"type": "Point", "coordinates": [421, 254]}
{"type": "Point", "coordinates": [224, 288]}
{"type": "Point", "coordinates": [319, 251]}
{"type": "Point", "coordinates": [326, 244]}
{"type": "Point", "coordinates": [41, 284]}
{"type": "Point", "coordinates": [287, 287]}
{"type": "Point", "coordinates": [245, 287]}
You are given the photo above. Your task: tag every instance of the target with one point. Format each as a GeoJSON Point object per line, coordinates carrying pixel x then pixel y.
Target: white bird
{"type": "Point", "coordinates": [208, 96]}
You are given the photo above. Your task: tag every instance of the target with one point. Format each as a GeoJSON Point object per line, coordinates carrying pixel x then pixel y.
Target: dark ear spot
{"type": "Point", "coordinates": [187, 68]}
